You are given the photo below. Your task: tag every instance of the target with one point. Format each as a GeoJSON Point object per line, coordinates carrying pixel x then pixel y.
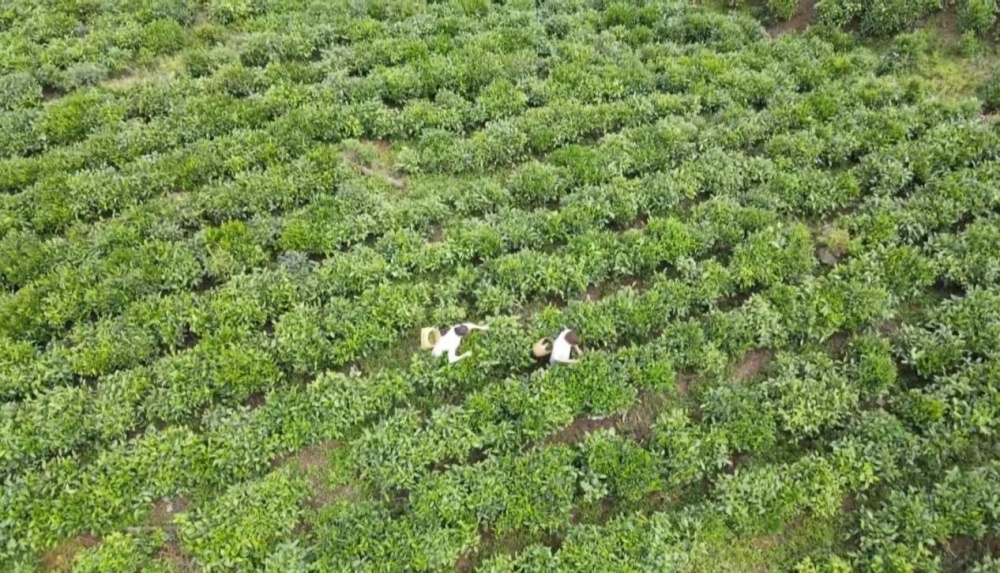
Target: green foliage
{"type": "Point", "coordinates": [19, 90]}
{"type": "Point", "coordinates": [244, 523]}
{"type": "Point", "coordinates": [782, 9]}
{"type": "Point", "coordinates": [123, 552]}
{"type": "Point", "coordinates": [810, 394]}
{"type": "Point", "coordinates": [223, 223]}
{"type": "Point", "coordinates": [620, 467]}
{"type": "Point", "coordinates": [989, 93]}
{"type": "Point", "coordinates": [879, 18]}
{"type": "Point", "coordinates": [977, 16]}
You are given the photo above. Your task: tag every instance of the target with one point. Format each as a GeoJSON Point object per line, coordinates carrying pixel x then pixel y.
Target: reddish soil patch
{"type": "Point", "coordinates": [437, 234]}
{"type": "Point", "coordinates": [639, 419]}
{"type": "Point", "coordinates": [470, 559]}
{"type": "Point", "coordinates": [640, 222]}
{"type": "Point", "coordinates": [255, 401]}
{"type": "Point", "coordinates": [849, 503]}
{"type": "Point", "coordinates": [594, 293]}
{"type": "Point", "coordinates": [173, 554]}
{"type": "Point", "coordinates": [383, 148]}
{"type": "Point", "coordinates": [309, 459]}
{"type": "Point", "coordinates": [736, 461]}
{"type": "Point", "coordinates": [382, 145]}
{"type": "Point", "coordinates": [50, 93]}
{"type": "Point", "coordinates": [466, 562]}
{"type": "Point", "coordinates": [827, 257]}
{"type": "Point", "coordinates": [837, 343]}
{"type": "Point", "coordinates": [60, 557]}
{"type": "Point", "coordinates": [164, 511]}
{"type": "Point", "coordinates": [805, 14]}
{"type": "Point", "coordinates": [889, 328]}
{"type": "Point", "coordinates": [684, 383]}
{"type": "Point", "coordinates": [322, 495]}
{"type": "Point", "coordinates": [948, 27]}
{"type": "Point", "coordinates": [605, 510]}
{"type": "Point", "coordinates": [753, 363]}
{"type": "Point", "coordinates": [581, 426]}
{"type": "Point", "coordinates": [313, 462]}
{"type": "Point", "coordinates": [476, 455]}
{"type": "Point", "coordinates": [962, 552]}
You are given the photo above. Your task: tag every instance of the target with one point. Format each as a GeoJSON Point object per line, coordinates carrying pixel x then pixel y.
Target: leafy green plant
{"type": "Point", "coordinates": [977, 16]}
{"type": "Point", "coordinates": [782, 9]}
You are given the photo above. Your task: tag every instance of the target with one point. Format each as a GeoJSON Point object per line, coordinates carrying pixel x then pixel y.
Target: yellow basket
{"type": "Point", "coordinates": [429, 337]}
{"type": "Point", "coordinates": [542, 348]}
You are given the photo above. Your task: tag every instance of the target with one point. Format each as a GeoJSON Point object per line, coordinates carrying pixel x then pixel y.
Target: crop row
{"type": "Point", "coordinates": [133, 456]}
{"type": "Point", "coordinates": [756, 176]}
{"type": "Point", "coordinates": [298, 304]}
{"type": "Point", "coordinates": [445, 510]}
{"type": "Point", "coordinates": [592, 322]}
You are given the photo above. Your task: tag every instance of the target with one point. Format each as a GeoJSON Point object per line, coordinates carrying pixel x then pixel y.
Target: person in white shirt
{"type": "Point", "coordinates": [450, 338]}
{"type": "Point", "coordinates": [562, 348]}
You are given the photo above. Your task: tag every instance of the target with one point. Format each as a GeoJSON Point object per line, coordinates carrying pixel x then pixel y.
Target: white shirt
{"type": "Point", "coordinates": [449, 341]}
{"type": "Point", "coordinates": [561, 349]}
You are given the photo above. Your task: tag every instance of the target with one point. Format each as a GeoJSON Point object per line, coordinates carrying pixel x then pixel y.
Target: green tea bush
{"type": "Point", "coordinates": [782, 9]}
{"type": "Point", "coordinates": [989, 93]}
{"type": "Point", "coordinates": [977, 16]}
{"type": "Point", "coordinates": [877, 18]}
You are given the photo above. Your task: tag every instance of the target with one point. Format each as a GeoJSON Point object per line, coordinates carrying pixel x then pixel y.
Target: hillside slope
{"type": "Point", "coordinates": [224, 222]}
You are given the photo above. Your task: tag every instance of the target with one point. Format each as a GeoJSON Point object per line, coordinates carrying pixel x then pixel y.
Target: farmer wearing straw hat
{"type": "Point", "coordinates": [560, 350]}
{"type": "Point", "coordinates": [446, 340]}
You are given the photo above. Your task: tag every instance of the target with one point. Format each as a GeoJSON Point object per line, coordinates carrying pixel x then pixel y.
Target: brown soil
{"type": "Point", "coordinates": [827, 257]}
{"type": "Point", "coordinates": [437, 234]}
{"type": "Point", "coordinates": [949, 29]}
{"type": "Point", "coordinates": [466, 562]}
{"type": "Point", "coordinates": [382, 145]}
{"type": "Point", "coordinates": [684, 383]}
{"type": "Point", "coordinates": [594, 293]}
{"type": "Point", "coordinates": [164, 511]}
{"type": "Point", "coordinates": [50, 93]}
{"type": "Point", "coordinates": [889, 328]}
{"type": "Point", "coordinates": [639, 419]}
{"type": "Point", "coordinates": [805, 14]}
{"type": "Point", "coordinates": [312, 462]}
{"type": "Point", "coordinates": [383, 148]}
{"type": "Point", "coordinates": [310, 458]}
{"type": "Point", "coordinates": [736, 462]}
{"type": "Point", "coordinates": [837, 343]}
{"type": "Point", "coordinates": [753, 363]}
{"type": "Point", "coordinates": [255, 401]}
{"type": "Point", "coordinates": [581, 426]}
{"type": "Point", "coordinates": [60, 558]}
{"type": "Point", "coordinates": [181, 561]}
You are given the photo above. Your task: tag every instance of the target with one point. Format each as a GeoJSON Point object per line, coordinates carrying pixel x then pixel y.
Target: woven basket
{"type": "Point", "coordinates": [429, 337]}
{"type": "Point", "coordinates": [542, 348]}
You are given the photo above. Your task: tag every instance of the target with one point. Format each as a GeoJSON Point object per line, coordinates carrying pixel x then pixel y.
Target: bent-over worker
{"type": "Point", "coordinates": [450, 339]}
{"type": "Point", "coordinates": [563, 347]}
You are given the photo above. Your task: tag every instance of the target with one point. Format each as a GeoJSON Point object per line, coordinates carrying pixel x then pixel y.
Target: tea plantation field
{"type": "Point", "coordinates": [223, 224]}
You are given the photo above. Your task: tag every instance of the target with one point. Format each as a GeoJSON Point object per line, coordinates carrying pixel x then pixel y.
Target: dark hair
{"type": "Point", "coordinates": [443, 330]}
{"type": "Point", "coordinates": [461, 330]}
{"type": "Point", "coordinates": [572, 338]}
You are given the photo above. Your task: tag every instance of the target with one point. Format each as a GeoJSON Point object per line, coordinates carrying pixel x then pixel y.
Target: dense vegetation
{"type": "Point", "coordinates": [223, 222]}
